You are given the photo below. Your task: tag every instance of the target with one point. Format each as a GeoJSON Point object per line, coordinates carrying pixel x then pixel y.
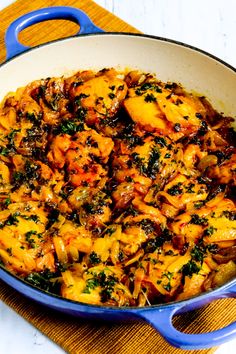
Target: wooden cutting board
{"type": "Point", "coordinates": [51, 30]}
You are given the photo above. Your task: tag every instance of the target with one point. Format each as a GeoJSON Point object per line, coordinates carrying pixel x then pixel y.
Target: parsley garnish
{"type": "Point", "coordinates": [175, 190]}
{"type": "Point", "coordinates": [197, 220]}
{"type": "Point", "coordinates": [169, 276]}
{"type": "Point", "coordinates": [69, 127]}
{"type": "Point", "coordinates": [150, 98]}
{"type": "Point", "coordinates": [190, 268]}
{"type": "Point", "coordinates": [4, 151]}
{"type": "Point", "coordinates": [209, 231]}
{"type": "Point", "coordinates": [94, 258]}
{"type": "Point", "coordinates": [111, 95]}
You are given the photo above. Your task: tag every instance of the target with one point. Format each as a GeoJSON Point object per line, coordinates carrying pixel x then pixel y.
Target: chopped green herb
{"type": "Point", "coordinates": [44, 280]}
{"type": "Point", "coordinates": [169, 253]}
{"type": "Point", "coordinates": [110, 230]}
{"type": "Point", "coordinates": [7, 201]}
{"type": "Point", "coordinates": [209, 231]}
{"type": "Point", "coordinates": [138, 92]}
{"type": "Point", "coordinates": [30, 239]}
{"type": "Point", "coordinates": [178, 102]}
{"type": "Point", "coordinates": [198, 115]}
{"type": "Point", "coordinates": [139, 162]}
{"type": "Point", "coordinates": [91, 142]}
{"type": "Point", "coordinates": [4, 151]}
{"type": "Point", "coordinates": [153, 163]}
{"type": "Point", "coordinates": [161, 141]}
{"type": "Point", "coordinates": [213, 248]}
{"type": "Point", "coordinates": [90, 285]}
{"type": "Point", "coordinates": [77, 83]}
{"type": "Point", "coordinates": [176, 189]}
{"type": "Point", "coordinates": [112, 95]}
{"type": "Point", "coordinates": [52, 217]}
{"type": "Point", "coordinates": [189, 188]}
{"type": "Point", "coordinates": [158, 241]}
{"type": "Point", "coordinates": [94, 258]}
{"type": "Point", "coordinates": [171, 85]}
{"type": "Point", "coordinates": [31, 117]}
{"type": "Point", "coordinates": [148, 226]}
{"type": "Point", "coordinates": [190, 268]}
{"type": "Point", "coordinates": [198, 253]}
{"type": "Point", "coordinates": [146, 86]}
{"type": "Point", "coordinates": [150, 98]}
{"type": "Point", "coordinates": [129, 179]}
{"type": "Point", "coordinates": [9, 251]}
{"type": "Point", "coordinates": [121, 256]}
{"type": "Point", "coordinates": [169, 276]}
{"type": "Point", "coordinates": [106, 282]}
{"type": "Point", "coordinates": [231, 215]}
{"type": "Point", "coordinates": [199, 204]}
{"type": "Point", "coordinates": [62, 267]}
{"type": "Point", "coordinates": [197, 220]}
{"type": "Point", "coordinates": [11, 137]}
{"type": "Point", "coordinates": [32, 217]}
{"type": "Point", "coordinates": [12, 220]}
{"type": "Point", "coordinates": [69, 127]}
{"type": "Point", "coordinates": [78, 99]}
{"type": "Point", "coordinates": [151, 168]}
{"type": "Point", "coordinates": [95, 207]}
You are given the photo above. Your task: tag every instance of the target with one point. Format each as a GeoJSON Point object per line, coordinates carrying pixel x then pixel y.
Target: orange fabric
{"type": "Point", "coordinates": [79, 336]}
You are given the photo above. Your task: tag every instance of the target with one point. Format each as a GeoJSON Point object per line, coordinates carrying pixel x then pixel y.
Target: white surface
{"type": "Point", "coordinates": [209, 25]}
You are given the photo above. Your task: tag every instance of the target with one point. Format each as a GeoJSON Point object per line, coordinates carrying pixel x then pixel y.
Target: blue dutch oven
{"type": "Point", "coordinates": [171, 61]}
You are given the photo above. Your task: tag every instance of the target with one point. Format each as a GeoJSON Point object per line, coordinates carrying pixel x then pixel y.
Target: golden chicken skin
{"type": "Point", "coordinates": [155, 107]}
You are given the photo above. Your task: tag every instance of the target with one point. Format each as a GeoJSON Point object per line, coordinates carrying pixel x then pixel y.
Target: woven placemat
{"type": "Point", "coordinates": [77, 336]}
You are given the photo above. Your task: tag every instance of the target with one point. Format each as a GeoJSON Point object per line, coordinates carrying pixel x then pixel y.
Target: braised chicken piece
{"type": "Point", "coordinates": [97, 99]}
{"type": "Point", "coordinates": [146, 160]}
{"type": "Point", "coordinates": [97, 285]}
{"type": "Point", "coordinates": [180, 193]}
{"type": "Point", "coordinates": [84, 156]}
{"type": "Point", "coordinates": [214, 222]}
{"type": "Point", "coordinates": [158, 109]}
{"type": "Point", "coordinates": [224, 172]}
{"type": "Point", "coordinates": [24, 244]}
{"type": "Point", "coordinates": [51, 97]}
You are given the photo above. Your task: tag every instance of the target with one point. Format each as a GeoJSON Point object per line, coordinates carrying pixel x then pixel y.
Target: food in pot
{"type": "Point", "coordinates": [116, 189]}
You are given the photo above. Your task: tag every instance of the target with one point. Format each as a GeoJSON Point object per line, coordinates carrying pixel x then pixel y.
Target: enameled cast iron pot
{"type": "Point", "coordinates": [171, 61]}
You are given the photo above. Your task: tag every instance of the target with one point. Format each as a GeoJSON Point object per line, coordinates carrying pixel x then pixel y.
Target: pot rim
{"type": "Point", "coordinates": [177, 303]}
{"type": "Point", "coordinates": [126, 34]}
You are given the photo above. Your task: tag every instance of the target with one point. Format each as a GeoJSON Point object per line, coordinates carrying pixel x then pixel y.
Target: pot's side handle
{"type": "Point", "coordinates": [162, 322]}
{"type": "Point", "coordinates": [14, 47]}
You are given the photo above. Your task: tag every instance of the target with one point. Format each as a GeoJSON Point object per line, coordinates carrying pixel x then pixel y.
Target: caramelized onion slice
{"type": "Point", "coordinates": [225, 255]}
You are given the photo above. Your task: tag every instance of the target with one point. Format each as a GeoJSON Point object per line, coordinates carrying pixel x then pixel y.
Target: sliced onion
{"type": "Point", "coordinates": [207, 161]}
{"type": "Point", "coordinates": [225, 255]}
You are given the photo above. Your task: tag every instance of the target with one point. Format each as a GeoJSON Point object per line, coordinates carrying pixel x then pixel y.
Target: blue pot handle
{"type": "Point", "coordinates": [162, 322]}
{"type": "Point", "coordinates": [14, 47]}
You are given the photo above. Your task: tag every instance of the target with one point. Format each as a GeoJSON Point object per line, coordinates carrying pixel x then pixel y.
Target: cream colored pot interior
{"type": "Point", "coordinates": [169, 61]}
